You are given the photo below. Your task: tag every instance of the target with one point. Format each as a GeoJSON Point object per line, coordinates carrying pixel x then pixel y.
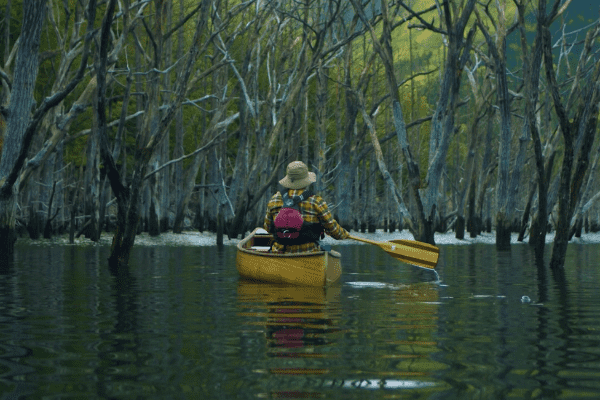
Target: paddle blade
{"type": "Point", "coordinates": [413, 252]}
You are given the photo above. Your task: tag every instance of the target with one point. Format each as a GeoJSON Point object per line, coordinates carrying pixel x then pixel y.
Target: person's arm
{"type": "Point", "coordinates": [270, 217]}
{"type": "Point", "coordinates": [332, 228]}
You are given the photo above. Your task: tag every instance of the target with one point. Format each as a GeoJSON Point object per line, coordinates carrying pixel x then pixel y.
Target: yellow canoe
{"type": "Point", "coordinates": [253, 261]}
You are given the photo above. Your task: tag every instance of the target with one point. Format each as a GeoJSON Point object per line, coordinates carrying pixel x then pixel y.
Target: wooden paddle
{"type": "Point", "coordinates": [409, 251]}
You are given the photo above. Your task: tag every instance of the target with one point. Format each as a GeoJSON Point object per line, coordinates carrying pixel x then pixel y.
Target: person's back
{"type": "Point", "coordinates": [314, 211]}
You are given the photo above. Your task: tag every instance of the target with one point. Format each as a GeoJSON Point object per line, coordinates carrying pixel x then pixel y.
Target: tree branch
{"type": "Point", "coordinates": [426, 24]}
{"type": "Point", "coordinates": [205, 147]}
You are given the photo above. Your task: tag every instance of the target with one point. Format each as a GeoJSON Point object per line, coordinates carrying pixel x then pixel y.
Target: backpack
{"type": "Point", "coordinates": [290, 227]}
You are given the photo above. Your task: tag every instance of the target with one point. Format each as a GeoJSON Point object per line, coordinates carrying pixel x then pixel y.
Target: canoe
{"type": "Point", "coordinates": [253, 261]}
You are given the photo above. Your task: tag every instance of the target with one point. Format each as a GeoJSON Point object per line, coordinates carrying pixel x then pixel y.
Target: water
{"type": "Point", "coordinates": [181, 325]}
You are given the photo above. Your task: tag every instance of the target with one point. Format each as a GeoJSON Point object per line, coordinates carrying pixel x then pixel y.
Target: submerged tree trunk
{"type": "Point", "coordinates": [154, 209]}
{"type": "Point", "coordinates": [92, 186]}
{"type": "Point", "coordinates": [578, 136]}
{"type": "Point", "coordinates": [532, 62]}
{"type": "Point", "coordinates": [503, 213]}
{"type": "Point", "coordinates": [466, 201]}
{"type": "Point", "coordinates": [128, 197]}
{"type": "Point", "coordinates": [19, 109]}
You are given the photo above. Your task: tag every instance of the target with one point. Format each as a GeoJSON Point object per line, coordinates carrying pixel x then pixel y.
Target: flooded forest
{"type": "Point", "coordinates": [156, 115]}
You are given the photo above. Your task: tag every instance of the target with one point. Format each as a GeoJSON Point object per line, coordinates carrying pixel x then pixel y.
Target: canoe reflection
{"type": "Point", "coordinates": [295, 319]}
{"type": "Point", "coordinates": [313, 349]}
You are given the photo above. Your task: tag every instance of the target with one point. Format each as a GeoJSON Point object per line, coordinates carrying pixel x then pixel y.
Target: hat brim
{"type": "Point", "coordinates": [298, 184]}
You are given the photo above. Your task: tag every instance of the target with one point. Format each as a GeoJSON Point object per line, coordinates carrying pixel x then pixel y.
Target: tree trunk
{"type": "Point", "coordinates": [19, 108]}
{"type": "Point", "coordinates": [365, 201]}
{"type": "Point", "coordinates": [356, 206]}
{"type": "Point", "coordinates": [183, 200]}
{"type": "Point", "coordinates": [178, 168]}
{"type": "Point", "coordinates": [60, 189]}
{"type": "Point", "coordinates": [473, 223]}
{"type": "Point", "coordinates": [49, 217]}
{"type": "Point", "coordinates": [373, 212]}
{"type": "Point", "coordinates": [320, 127]}
{"type": "Point", "coordinates": [153, 183]}
{"type": "Point", "coordinates": [239, 181]}
{"type": "Point", "coordinates": [503, 232]}
{"type": "Point", "coordinates": [346, 177]}
{"type": "Point", "coordinates": [526, 212]}
{"type": "Point", "coordinates": [34, 224]}
{"type": "Point", "coordinates": [92, 183]}
{"type": "Point", "coordinates": [401, 208]}
{"type": "Point", "coordinates": [539, 222]}
{"type": "Point", "coordinates": [47, 197]}
{"type": "Point", "coordinates": [74, 203]}
{"type": "Point", "coordinates": [579, 210]}
{"type": "Point", "coordinates": [165, 186]}
{"type": "Point", "coordinates": [466, 201]}
{"type": "Point", "coordinates": [220, 226]}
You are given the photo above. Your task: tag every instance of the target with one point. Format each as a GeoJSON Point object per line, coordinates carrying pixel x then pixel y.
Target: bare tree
{"type": "Point", "coordinates": [22, 126]}
{"type": "Point", "coordinates": [288, 71]}
{"type": "Point", "coordinates": [504, 196]}
{"type": "Point", "coordinates": [154, 129]}
{"type": "Point", "coordinates": [532, 61]}
{"type": "Point", "coordinates": [578, 129]}
{"type": "Point", "coordinates": [443, 120]}
{"type": "Point", "coordinates": [466, 199]}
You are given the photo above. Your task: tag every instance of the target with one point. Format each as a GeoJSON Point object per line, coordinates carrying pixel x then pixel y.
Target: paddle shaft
{"type": "Point", "coordinates": [408, 251]}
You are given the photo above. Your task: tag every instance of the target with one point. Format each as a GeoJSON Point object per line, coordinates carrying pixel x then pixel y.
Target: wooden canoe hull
{"type": "Point", "coordinates": [307, 269]}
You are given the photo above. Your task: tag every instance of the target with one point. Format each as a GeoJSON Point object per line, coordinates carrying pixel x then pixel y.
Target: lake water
{"type": "Point", "coordinates": [181, 325]}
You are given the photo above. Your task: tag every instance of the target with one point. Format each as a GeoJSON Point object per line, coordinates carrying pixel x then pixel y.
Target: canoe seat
{"type": "Point", "coordinates": [261, 248]}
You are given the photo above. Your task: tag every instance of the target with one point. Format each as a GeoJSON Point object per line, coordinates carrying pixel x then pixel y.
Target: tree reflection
{"type": "Point", "coordinates": [119, 354]}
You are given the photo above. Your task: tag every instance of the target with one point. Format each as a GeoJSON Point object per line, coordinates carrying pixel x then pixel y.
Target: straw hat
{"type": "Point", "coordinates": [297, 176]}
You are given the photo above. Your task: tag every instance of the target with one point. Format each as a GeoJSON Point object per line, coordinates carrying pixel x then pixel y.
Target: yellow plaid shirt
{"type": "Point", "coordinates": [314, 209]}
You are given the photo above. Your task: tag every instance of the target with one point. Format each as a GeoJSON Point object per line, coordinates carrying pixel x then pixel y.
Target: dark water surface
{"type": "Point", "coordinates": [181, 325]}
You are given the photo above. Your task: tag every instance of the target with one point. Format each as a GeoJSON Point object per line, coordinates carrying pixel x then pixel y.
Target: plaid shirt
{"type": "Point", "coordinates": [314, 209]}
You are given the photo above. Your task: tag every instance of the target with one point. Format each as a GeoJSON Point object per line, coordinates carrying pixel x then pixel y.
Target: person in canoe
{"type": "Point", "coordinates": [298, 218]}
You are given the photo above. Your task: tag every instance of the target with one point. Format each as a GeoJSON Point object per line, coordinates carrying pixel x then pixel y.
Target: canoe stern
{"type": "Point", "coordinates": [307, 269]}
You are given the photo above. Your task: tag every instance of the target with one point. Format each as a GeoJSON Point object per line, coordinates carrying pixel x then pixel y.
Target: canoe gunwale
{"type": "Point", "coordinates": [240, 246]}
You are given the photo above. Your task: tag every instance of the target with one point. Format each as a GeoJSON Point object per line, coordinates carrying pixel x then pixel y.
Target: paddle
{"type": "Point", "coordinates": [409, 251]}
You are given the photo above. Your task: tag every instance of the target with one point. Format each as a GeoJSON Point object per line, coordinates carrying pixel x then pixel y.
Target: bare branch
{"type": "Point", "coordinates": [425, 24]}
{"type": "Point", "coordinates": [205, 147]}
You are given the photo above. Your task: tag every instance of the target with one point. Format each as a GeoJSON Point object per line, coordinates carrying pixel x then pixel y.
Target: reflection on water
{"type": "Point", "coordinates": [179, 324]}
{"type": "Point", "coordinates": [313, 350]}
{"type": "Point", "coordinates": [299, 326]}
{"type": "Point", "coordinates": [294, 318]}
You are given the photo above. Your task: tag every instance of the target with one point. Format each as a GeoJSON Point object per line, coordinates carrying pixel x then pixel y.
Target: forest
{"type": "Point", "coordinates": [153, 115]}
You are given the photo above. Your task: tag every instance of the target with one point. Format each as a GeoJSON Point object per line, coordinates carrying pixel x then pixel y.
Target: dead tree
{"type": "Point", "coordinates": [155, 127]}
{"type": "Point", "coordinates": [578, 129]}
{"type": "Point", "coordinates": [424, 195]}
{"type": "Point", "coordinates": [22, 126]}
